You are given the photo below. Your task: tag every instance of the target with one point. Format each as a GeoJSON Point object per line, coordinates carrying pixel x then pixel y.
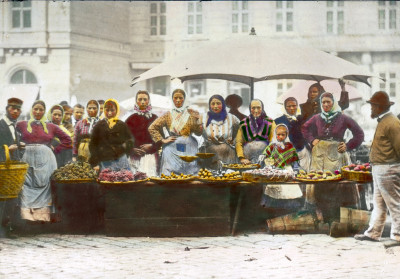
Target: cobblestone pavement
{"type": "Point", "coordinates": [245, 256]}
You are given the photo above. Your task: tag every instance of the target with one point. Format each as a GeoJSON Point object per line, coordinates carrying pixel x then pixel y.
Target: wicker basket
{"type": "Point", "coordinates": [357, 176]}
{"type": "Point", "coordinates": [12, 177]}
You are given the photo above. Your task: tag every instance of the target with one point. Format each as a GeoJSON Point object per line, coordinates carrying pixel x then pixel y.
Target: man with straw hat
{"type": "Point", "coordinates": [385, 159]}
{"type": "Point", "coordinates": [9, 137]}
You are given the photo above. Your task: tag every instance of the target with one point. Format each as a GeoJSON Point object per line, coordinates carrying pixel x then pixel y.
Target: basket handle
{"type": "Point", "coordinates": [7, 151]}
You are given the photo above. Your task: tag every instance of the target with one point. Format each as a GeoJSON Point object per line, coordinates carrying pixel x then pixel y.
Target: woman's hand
{"type": "Point", "coordinates": [169, 139]}
{"type": "Point", "coordinates": [342, 84]}
{"type": "Point", "coordinates": [146, 147]}
{"type": "Point", "coordinates": [244, 161]}
{"type": "Point", "coordinates": [97, 168]}
{"type": "Point", "coordinates": [342, 147]}
{"type": "Point", "coordinates": [138, 152]}
{"type": "Point", "coordinates": [13, 147]}
{"type": "Point", "coordinates": [73, 159]}
{"type": "Point", "coordinates": [315, 142]}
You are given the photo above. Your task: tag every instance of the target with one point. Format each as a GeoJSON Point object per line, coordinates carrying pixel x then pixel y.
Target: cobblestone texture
{"type": "Point", "coordinates": [246, 256]}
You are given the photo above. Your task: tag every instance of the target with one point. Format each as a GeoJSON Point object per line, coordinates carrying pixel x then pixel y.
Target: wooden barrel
{"type": "Point", "coordinates": [356, 219]}
{"type": "Point", "coordinates": [296, 222]}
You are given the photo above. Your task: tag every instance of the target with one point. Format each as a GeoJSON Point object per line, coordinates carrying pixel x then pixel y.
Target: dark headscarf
{"type": "Point", "coordinates": [213, 115]}
{"type": "Point", "coordinates": [257, 124]}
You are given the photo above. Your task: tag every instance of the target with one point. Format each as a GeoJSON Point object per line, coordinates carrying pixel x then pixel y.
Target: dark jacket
{"type": "Point", "coordinates": [109, 144]}
{"type": "Point", "coordinates": [295, 134]}
{"type": "Point", "coordinates": [7, 139]}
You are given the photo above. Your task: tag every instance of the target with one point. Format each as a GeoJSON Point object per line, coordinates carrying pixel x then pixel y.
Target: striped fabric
{"type": "Point", "coordinates": [250, 134]}
{"type": "Point", "coordinates": [222, 131]}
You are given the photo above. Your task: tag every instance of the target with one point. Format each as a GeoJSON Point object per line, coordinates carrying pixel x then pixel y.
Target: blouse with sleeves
{"type": "Point", "coordinates": [39, 136]}
{"type": "Point", "coordinates": [165, 120]}
{"type": "Point", "coordinates": [317, 128]}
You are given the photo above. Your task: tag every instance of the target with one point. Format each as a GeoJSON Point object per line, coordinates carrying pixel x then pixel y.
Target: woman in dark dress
{"type": "Point", "coordinates": [144, 155]}
{"type": "Point", "coordinates": [110, 141]}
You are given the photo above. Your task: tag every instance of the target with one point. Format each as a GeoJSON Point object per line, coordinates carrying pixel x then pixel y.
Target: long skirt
{"type": "Point", "coordinates": [223, 152]}
{"type": "Point", "coordinates": [147, 164]}
{"type": "Point", "coordinates": [35, 196]}
{"type": "Point", "coordinates": [122, 163]}
{"type": "Point", "coordinates": [330, 197]}
{"type": "Point", "coordinates": [63, 157]}
{"type": "Point", "coordinates": [252, 150]}
{"type": "Point", "coordinates": [170, 160]}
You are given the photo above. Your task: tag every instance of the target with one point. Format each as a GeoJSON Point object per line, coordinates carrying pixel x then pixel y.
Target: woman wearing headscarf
{"type": "Point", "coordinates": [144, 155]}
{"type": "Point", "coordinates": [83, 130]}
{"type": "Point", "coordinates": [325, 133]}
{"type": "Point", "coordinates": [283, 155]}
{"type": "Point", "coordinates": [313, 106]}
{"type": "Point", "coordinates": [254, 134]}
{"type": "Point", "coordinates": [293, 120]}
{"type": "Point", "coordinates": [219, 132]}
{"type": "Point", "coordinates": [177, 127]}
{"type": "Point", "coordinates": [56, 116]}
{"type": "Point", "coordinates": [111, 140]}
{"type": "Point", "coordinates": [35, 196]}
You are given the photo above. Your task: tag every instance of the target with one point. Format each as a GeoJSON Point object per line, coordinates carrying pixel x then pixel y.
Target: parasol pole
{"type": "Point", "coordinates": [252, 33]}
{"type": "Point", "coordinates": [251, 89]}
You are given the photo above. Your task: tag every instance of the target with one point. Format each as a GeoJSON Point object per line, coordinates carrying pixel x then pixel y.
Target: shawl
{"type": "Point", "coordinates": [179, 117]}
{"type": "Point", "coordinates": [112, 121]}
{"type": "Point", "coordinates": [330, 115]}
{"type": "Point", "coordinates": [217, 117]}
{"type": "Point", "coordinates": [284, 152]}
{"type": "Point", "coordinates": [256, 129]}
{"type": "Point", "coordinates": [41, 121]}
{"type": "Point", "coordinates": [92, 120]}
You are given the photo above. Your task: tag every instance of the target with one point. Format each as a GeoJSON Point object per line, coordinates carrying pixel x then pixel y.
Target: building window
{"type": "Point", "coordinates": [158, 19]}
{"type": "Point", "coordinates": [390, 85]}
{"type": "Point", "coordinates": [284, 16]}
{"type": "Point", "coordinates": [282, 87]}
{"type": "Point", "coordinates": [387, 15]}
{"type": "Point", "coordinates": [21, 14]}
{"type": "Point", "coordinates": [159, 85]}
{"type": "Point", "coordinates": [240, 17]}
{"type": "Point", "coordinates": [23, 77]}
{"type": "Point", "coordinates": [335, 17]}
{"type": "Point", "coordinates": [195, 18]}
{"type": "Point", "coordinates": [195, 88]}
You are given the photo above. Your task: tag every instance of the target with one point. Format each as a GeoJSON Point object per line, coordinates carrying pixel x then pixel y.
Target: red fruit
{"type": "Point", "coordinates": [352, 165]}
{"type": "Point", "coordinates": [356, 168]}
{"type": "Point", "coordinates": [362, 167]}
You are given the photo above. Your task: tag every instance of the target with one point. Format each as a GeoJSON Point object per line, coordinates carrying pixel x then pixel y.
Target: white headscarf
{"type": "Point", "coordinates": [275, 140]}
{"type": "Point", "coordinates": [180, 115]}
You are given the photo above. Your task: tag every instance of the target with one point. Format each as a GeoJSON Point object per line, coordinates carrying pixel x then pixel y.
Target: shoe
{"type": "Point", "coordinates": [363, 237]}
{"type": "Point", "coordinates": [391, 243]}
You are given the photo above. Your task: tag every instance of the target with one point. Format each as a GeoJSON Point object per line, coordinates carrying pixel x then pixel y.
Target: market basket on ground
{"type": "Point", "coordinates": [12, 177]}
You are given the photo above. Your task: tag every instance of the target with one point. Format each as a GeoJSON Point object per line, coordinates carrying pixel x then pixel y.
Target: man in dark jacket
{"type": "Point", "coordinates": [9, 137]}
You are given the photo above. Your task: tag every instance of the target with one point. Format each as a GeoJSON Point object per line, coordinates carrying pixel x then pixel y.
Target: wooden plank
{"type": "Point", "coordinates": [168, 227]}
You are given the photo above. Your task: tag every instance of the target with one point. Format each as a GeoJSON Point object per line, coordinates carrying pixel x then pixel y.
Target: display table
{"type": "Point", "coordinates": [165, 210]}
{"type": "Point", "coordinates": [80, 207]}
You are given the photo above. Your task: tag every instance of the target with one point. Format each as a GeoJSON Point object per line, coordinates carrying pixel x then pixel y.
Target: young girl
{"type": "Point", "coordinates": [281, 153]}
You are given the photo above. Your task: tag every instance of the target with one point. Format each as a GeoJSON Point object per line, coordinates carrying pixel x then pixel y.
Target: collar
{"type": "Point", "coordinates": [382, 116]}
{"type": "Point", "coordinates": [8, 121]}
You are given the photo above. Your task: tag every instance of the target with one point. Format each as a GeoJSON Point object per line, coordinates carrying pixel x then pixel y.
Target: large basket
{"type": "Point", "coordinates": [12, 177]}
{"type": "Point", "coordinates": [361, 177]}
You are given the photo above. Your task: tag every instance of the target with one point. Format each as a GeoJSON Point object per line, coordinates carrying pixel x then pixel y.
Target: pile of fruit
{"type": "Point", "coordinates": [109, 175]}
{"type": "Point", "coordinates": [174, 176]}
{"type": "Point", "coordinates": [319, 175]}
{"type": "Point", "coordinates": [366, 167]}
{"type": "Point", "coordinates": [224, 176]}
{"type": "Point", "coordinates": [241, 166]}
{"type": "Point", "coordinates": [74, 171]}
{"type": "Point", "coordinates": [269, 173]}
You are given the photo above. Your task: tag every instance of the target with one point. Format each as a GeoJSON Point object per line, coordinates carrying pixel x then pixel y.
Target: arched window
{"type": "Point", "coordinates": [23, 77]}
